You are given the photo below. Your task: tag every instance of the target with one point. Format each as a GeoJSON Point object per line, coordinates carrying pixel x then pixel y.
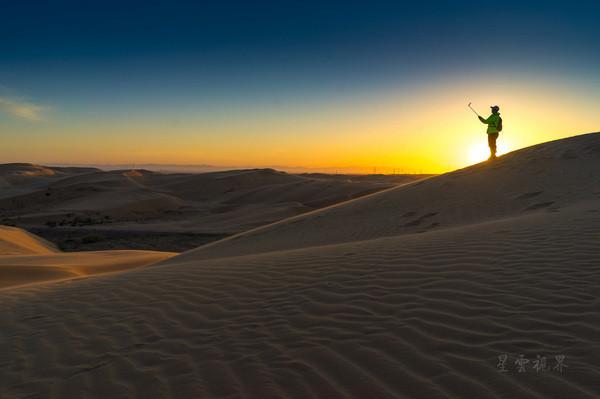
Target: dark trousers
{"type": "Point", "coordinates": [492, 143]}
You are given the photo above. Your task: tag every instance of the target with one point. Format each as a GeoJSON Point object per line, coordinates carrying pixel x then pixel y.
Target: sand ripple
{"type": "Point", "coordinates": [421, 316]}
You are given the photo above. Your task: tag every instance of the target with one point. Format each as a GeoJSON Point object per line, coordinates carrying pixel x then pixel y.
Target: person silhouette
{"type": "Point", "coordinates": [494, 122]}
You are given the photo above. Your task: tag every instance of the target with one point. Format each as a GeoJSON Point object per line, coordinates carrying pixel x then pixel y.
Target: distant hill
{"type": "Point", "coordinates": [22, 178]}
{"type": "Point", "coordinates": [56, 201]}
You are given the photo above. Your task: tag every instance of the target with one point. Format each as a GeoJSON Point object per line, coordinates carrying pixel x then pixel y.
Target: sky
{"type": "Point", "coordinates": [359, 86]}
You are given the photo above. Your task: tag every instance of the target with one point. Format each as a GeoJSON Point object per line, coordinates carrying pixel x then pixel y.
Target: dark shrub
{"type": "Point", "coordinates": [92, 238]}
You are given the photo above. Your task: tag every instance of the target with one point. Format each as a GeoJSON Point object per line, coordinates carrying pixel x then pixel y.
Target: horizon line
{"type": "Point", "coordinates": [200, 168]}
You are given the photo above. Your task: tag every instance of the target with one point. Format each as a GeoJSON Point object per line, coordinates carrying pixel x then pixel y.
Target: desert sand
{"type": "Point", "coordinates": [26, 259]}
{"type": "Point", "coordinates": [91, 209]}
{"type": "Point", "coordinates": [14, 241]}
{"type": "Point", "coordinates": [418, 291]}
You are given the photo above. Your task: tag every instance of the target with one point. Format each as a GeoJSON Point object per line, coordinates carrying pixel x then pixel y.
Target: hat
{"type": "Point", "coordinates": [495, 108]}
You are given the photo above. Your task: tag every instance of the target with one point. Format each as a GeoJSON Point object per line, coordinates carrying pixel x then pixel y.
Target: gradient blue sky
{"type": "Point", "coordinates": [120, 81]}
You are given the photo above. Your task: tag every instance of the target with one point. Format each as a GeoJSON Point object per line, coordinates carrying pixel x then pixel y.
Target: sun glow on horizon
{"type": "Point", "coordinates": [426, 130]}
{"type": "Point", "coordinates": [479, 151]}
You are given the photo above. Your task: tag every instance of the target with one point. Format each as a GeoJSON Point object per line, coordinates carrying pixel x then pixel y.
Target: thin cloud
{"type": "Point", "coordinates": [22, 109]}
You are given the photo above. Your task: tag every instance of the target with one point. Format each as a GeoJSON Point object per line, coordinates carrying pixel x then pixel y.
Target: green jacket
{"type": "Point", "coordinates": [492, 122]}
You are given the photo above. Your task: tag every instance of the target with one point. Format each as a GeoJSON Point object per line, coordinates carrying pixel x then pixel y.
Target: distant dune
{"type": "Point", "coordinates": [21, 178]}
{"type": "Point", "coordinates": [68, 204]}
{"type": "Point", "coordinates": [418, 291]}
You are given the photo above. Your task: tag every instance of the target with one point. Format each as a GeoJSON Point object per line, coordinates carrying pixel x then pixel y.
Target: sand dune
{"type": "Point", "coordinates": [14, 241]}
{"type": "Point", "coordinates": [542, 178]}
{"type": "Point", "coordinates": [26, 269]}
{"type": "Point", "coordinates": [18, 173]}
{"type": "Point", "coordinates": [355, 301]}
{"type": "Point", "coordinates": [22, 178]}
{"type": "Point", "coordinates": [216, 203]}
{"type": "Point", "coordinates": [417, 316]}
{"type": "Point", "coordinates": [26, 258]}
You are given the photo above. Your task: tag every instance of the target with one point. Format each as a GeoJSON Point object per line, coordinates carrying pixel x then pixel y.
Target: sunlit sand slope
{"type": "Point", "coordinates": [15, 241]}
{"type": "Point", "coordinates": [26, 269]}
{"type": "Point", "coordinates": [26, 258]}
